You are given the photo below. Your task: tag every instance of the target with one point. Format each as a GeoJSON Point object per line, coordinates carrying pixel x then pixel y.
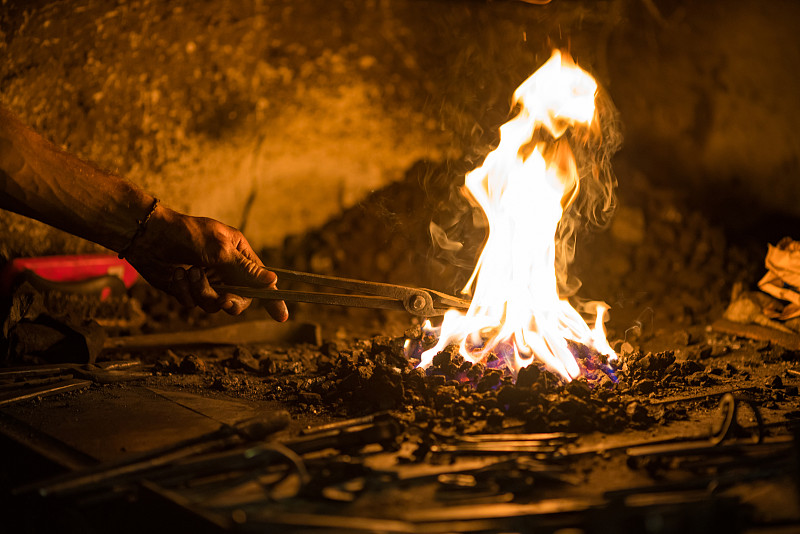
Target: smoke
{"type": "Point", "coordinates": [594, 205]}
{"type": "Point", "coordinates": [458, 227]}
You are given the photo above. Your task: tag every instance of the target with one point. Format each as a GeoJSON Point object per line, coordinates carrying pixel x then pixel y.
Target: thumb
{"type": "Point", "coordinates": [262, 275]}
{"type": "Point", "coordinates": [247, 271]}
{"type": "Point", "coordinates": [254, 274]}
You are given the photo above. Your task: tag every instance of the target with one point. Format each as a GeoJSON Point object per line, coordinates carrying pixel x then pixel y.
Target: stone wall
{"type": "Point", "coordinates": [275, 115]}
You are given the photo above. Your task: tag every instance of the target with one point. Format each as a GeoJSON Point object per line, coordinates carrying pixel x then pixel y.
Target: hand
{"type": "Point", "coordinates": [183, 255]}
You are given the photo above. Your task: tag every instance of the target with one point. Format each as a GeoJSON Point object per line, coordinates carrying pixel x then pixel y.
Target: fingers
{"type": "Point", "coordinates": [250, 271]}
{"type": "Point", "coordinates": [232, 261]}
{"type": "Point", "coordinates": [276, 309]}
{"type": "Point", "coordinates": [179, 287]}
{"type": "Point", "coordinates": [202, 293]}
{"type": "Point", "coordinates": [245, 268]}
{"type": "Point", "coordinates": [233, 304]}
{"type": "Point", "coordinates": [192, 288]}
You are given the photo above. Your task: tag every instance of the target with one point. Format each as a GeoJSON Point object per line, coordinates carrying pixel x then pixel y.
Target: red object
{"type": "Point", "coordinates": [74, 268]}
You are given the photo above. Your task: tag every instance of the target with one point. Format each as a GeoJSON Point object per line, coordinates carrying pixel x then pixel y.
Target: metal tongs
{"type": "Point", "coordinates": [416, 301]}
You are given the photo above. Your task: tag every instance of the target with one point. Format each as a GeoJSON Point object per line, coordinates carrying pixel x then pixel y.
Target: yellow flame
{"type": "Point", "coordinates": [524, 186]}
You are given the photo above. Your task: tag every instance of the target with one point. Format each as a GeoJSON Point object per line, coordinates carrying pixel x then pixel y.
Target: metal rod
{"type": "Point", "coordinates": [706, 447]}
{"type": "Point", "coordinates": [31, 382]}
{"type": "Point", "coordinates": [30, 372]}
{"type": "Point", "coordinates": [61, 387]}
{"type": "Point", "coordinates": [362, 286]}
{"type": "Point", "coordinates": [336, 425]}
{"type": "Point", "coordinates": [335, 299]}
{"type": "Point", "coordinates": [491, 448]}
{"type": "Point", "coordinates": [701, 396]}
{"type": "Point", "coordinates": [544, 436]}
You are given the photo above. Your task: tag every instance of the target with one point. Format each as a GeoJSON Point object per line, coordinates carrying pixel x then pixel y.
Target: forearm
{"type": "Point", "coordinates": [39, 180]}
{"type": "Point", "coordinates": [172, 251]}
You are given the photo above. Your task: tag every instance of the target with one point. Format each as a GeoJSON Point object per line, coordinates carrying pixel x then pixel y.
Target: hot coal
{"type": "Point", "coordinates": [456, 395]}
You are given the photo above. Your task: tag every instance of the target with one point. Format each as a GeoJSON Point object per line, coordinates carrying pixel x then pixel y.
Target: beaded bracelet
{"type": "Point", "coordinates": [139, 230]}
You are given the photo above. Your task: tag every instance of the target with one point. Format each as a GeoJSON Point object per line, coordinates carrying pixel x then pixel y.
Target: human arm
{"type": "Point", "coordinates": [176, 252]}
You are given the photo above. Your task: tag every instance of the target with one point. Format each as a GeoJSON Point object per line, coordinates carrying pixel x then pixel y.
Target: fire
{"type": "Point", "coordinates": [524, 186]}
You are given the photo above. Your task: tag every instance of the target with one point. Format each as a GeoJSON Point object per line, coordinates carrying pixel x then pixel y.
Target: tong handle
{"type": "Point", "coordinates": [413, 300]}
{"type": "Point", "coordinates": [352, 301]}
{"type": "Point", "coordinates": [421, 302]}
{"type": "Point", "coordinates": [362, 286]}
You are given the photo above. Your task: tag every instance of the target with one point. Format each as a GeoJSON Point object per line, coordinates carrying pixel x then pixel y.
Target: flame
{"type": "Point", "coordinates": [523, 187]}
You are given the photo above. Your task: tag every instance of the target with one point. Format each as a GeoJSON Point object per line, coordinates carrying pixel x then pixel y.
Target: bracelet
{"type": "Point", "coordinates": [139, 229]}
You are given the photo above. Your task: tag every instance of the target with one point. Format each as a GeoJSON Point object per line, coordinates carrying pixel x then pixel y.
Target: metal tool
{"type": "Point", "coordinates": [346, 438]}
{"type": "Point", "coordinates": [543, 437]}
{"type": "Point", "coordinates": [416, 301]}
{"type": "Point", "coordinates": [723, 431]}
{"type": "Point", "coordinates": [504, 447]}
{"type": "Point", "coordinates": [132, 469]}
{"type": "Point", "coordinates": [241, 333]}
{"type": "Point", "coordinates": [345, 424]}
{"type": "Point", "coordinates": [23, 383]}
{"type": "Point", "coordinates": [44, 390]}
{"type": "Point", "coordinates": [101, 373]}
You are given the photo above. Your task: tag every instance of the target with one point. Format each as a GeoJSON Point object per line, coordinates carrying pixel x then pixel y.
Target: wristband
{"type": "Point", "coordinates": [139, 229]}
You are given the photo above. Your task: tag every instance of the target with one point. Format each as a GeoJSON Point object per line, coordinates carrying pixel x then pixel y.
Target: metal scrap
{"type": "Point", "coordinates": [62, 386]}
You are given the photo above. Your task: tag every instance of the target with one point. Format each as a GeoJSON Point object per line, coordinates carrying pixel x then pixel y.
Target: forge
{"type": "Point", "coordinates": [503, 317]}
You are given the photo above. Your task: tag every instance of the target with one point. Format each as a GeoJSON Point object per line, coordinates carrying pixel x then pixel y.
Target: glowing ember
{"type": "Point", "coordinates": [523, 187]}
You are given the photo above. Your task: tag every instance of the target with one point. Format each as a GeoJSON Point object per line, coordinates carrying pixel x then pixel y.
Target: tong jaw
{"type": "Point", "coordinates": [414, 301]}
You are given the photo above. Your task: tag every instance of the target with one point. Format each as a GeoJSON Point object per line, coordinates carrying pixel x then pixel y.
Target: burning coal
{"type": "Point", "coordinates": [535, 194]}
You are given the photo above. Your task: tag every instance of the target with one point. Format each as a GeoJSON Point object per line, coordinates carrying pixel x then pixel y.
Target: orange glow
{"type": "Point", "coordinates": [523, 187]}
